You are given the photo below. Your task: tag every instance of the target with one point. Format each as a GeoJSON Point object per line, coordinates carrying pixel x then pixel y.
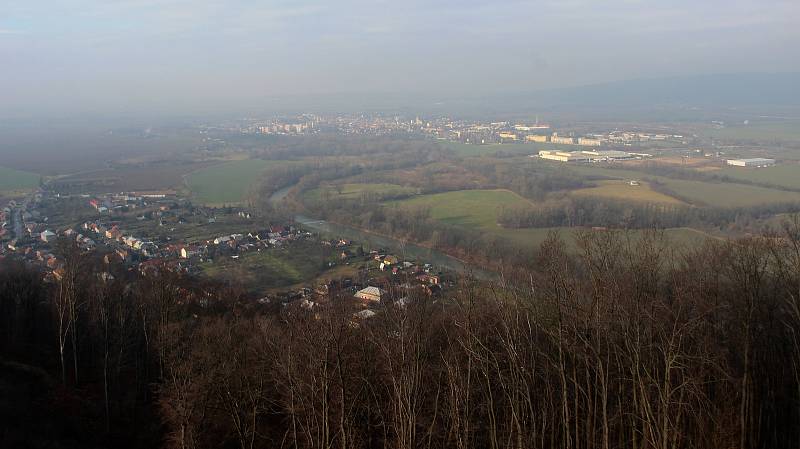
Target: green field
{"type": "Point", "coordinates": [727, 194]}
{"type": "Point", "coordinates": [269, 268]}
{"type": "Point", "coordinates": [466, 149]}
{"type": "Point", "coordinates": [784, 175]}
{"type": "Point", "coordinates": [700, 193]}
{"type": "Point", "coordinates": [622, 190]}
{"type": "Point", "coordinates": [226, 183]}
{"type": "Point", "coordinates": [479, 210]}
{"type": "Point", "coordinates": [468, 208]}
{"type": "Point", "coordinates": [355, 191]}
{"type": "Point", "coordinates": [126, 178]}
{"type": "Point", "coordinates": [14, 180]}
{"type": "Point", "coordinates": [194, 229]}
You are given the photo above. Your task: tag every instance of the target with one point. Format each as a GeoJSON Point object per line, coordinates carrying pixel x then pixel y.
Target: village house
{"type": "Point", "coordinates": [258, 235]}
{"type": "Point", "coordinates": [222, 239]}
{"type": "Point", "coordinates": [429, 279]}
{"type": "Point", "coordinates": [189, 252]}
{"type": "Point", "coordinates": [114, 233]}
{"type": "Point", "coordinates": [373, 294]}
{"type": "Point", "coordinates": [48, 236]}
{"type": "Point", "coordinates": [432, 289]}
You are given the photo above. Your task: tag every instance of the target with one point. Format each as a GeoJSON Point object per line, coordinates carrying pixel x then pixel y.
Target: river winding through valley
{"type": "Point", "coordinates": [405, 249]}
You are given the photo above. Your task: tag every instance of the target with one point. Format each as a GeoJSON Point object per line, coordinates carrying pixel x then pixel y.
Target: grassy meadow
{"type": "Point", "coordinates": [701, 193]}
{"type": "Point", "coordinates": [270, 268]}
{"type": "Point", "coordinates": [622, 190]}
{"type": "Point", "coordinates": [15, 180]}
{"type": "Point", "coordinates": [784, 175]}
{"type": "Point", "coordinates": [479, 210]}
{"type": "Point", "coordinates": [226, 183]}
{"type": "Point", "coordinates": [196, 229]}
{"type": "Point", "coordinates": [723, 194]}
{"type": "Point", "coordinates": [476, 209]}
{"type": "Point", "coordinates": [168, 176]}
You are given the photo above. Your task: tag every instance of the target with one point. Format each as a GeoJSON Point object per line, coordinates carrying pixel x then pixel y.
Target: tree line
{"type": "Point", "coordinates": [625, 344]}
{"type": "Point", "coordinates": [81, 357]}
{"type": "Point", "coordinates": [599, 212]}
{"type": "Point", "coordinates": [622, 342]}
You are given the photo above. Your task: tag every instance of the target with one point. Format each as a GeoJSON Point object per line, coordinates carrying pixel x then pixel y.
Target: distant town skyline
{"type": "Point", "coordinates": [184, 56]}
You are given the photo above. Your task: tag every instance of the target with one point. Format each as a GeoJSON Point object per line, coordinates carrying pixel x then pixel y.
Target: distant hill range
{"type": "Point", "coordinates": [741, 89]}
{"type": "Point", "coordinates": [686, 97]}
{"type": "Point", "coordinates": [704, 97]}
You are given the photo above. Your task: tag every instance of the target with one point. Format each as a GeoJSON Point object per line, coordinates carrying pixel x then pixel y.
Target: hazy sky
{"type": "Point", "coordinates": [116, 55]}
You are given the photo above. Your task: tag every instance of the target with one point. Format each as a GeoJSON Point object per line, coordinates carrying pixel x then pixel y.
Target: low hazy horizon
{"type": "Point", "coordinates": [184, 57]}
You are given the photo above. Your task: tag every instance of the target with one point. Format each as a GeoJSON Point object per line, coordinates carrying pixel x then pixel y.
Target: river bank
{"type": "Point", "coordinates": [404, 248]}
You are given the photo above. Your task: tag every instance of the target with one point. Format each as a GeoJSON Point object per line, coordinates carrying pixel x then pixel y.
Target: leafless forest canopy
{"type": "Point", "coordinates": [627, 343]}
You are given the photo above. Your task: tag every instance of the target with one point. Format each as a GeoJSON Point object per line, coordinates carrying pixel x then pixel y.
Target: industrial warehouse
{"type": "Point", "coordinates": [586, 156]}
{"type": "Point", "coordinates": [753, 162]}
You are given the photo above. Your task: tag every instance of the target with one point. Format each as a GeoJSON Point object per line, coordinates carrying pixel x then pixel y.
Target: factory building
{"type": "Point", "coordinates": [609, 155]}
{"type": "Point", "coordinates": [564, 156]}
{"type": "Point", "coordinates": [585, 156]}
{"type": "Point", "coordinates": [752, 162]}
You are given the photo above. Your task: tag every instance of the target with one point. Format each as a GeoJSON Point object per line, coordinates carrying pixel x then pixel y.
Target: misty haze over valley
{"type": "Point", "coordinates": [410, 225]}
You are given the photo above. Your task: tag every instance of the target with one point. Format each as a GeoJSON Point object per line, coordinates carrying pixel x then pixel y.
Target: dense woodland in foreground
{"type": "Point", "coordinates": [626, 344]}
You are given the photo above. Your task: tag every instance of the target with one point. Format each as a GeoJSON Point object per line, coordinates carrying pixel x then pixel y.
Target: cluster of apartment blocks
{"type": "Point", "coordinates": [563, 140]}
{"type": "Point", "coordinates": [445, 128]}
{"type": "Point", "coordinates": [286, 128]}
